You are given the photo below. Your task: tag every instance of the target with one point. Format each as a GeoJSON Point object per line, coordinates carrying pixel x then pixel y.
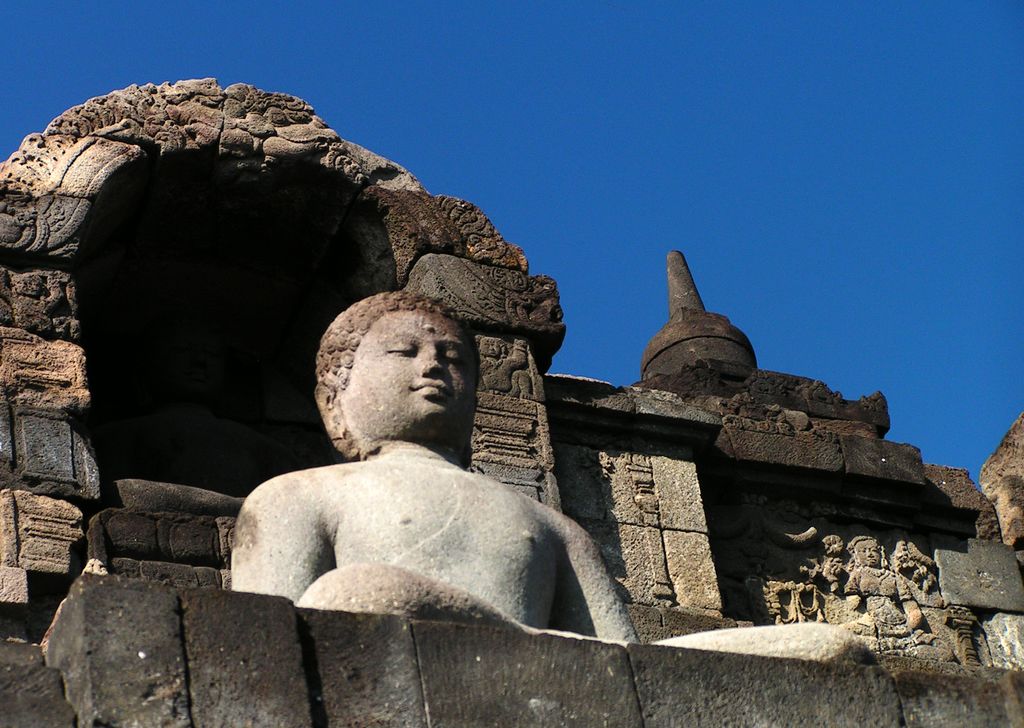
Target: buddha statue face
{"type": "Point", "coordinates": [187, 363]}
{"type": "Point", "coordinates": [411, 378]}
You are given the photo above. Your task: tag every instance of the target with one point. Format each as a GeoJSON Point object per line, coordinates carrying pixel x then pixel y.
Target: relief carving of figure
{"type": "Point", "coordinates": [403, 527]}
{"type": "Point", "coordinates": [892, 616]}
{"type": "Point", "coordinates": [507, 369]}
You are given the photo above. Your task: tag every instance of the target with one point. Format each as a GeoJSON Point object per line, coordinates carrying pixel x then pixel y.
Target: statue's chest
{"type": "Point", "coordinates": [453, 525]}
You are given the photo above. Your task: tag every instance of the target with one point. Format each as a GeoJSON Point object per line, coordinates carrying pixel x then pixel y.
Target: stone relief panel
{"type": "Point", "coordinates": [494, 299]}
{"type": "Point", "coordinates": [39, 373]}
{"type": "Point", "coordinates": [511, 437]}
{"type": "Point", "coordinates": [646, 514]}
{"type": "Point", "coordinates": [46, 452]}
{"type": "Point", "coordinates": [38, 533]}
{"type": "Point", "coordinates": [67, 188]}
{"type": "Point", "coordinates": [483, 241]}
{"type": "Point", "coordinates": [507, 367]}
{"type": "Point", "coordinates": [512, 443]}
{"type": "Point", "coordinates": [782, 563]}
{"type": "Point", "coordinates": [40, 302]}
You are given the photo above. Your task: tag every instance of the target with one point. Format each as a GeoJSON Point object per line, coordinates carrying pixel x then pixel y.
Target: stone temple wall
{"type": "Point", "coordinates": [133, 652]}
{"type": "Point", "coordinates": [721, 495]}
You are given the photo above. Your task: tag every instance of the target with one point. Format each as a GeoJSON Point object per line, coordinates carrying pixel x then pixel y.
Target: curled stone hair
{"type": "Point", "coordinates": [338, 349]}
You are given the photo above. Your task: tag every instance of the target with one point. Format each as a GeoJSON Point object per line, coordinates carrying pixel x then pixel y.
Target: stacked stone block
{"type": "Point", "coordinates": [624, 459]}
{"type": "Point", "coordinates": [136, 653]}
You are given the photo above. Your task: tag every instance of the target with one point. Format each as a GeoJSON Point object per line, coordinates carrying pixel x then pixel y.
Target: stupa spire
{"type": "Point", "coordinates": [682, 291]}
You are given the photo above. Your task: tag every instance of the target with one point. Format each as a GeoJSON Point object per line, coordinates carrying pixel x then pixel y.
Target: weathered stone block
{"type": "Point", "coordinates": [647, 622]}
{"type": "Point", "coordinates": [118, 643]}
{"type": "Point", "coordinates": [679, 498]}
{"type": "Point", "coordinates": [45, 452]}
{"type": "Point", "coordinates": [581, 482]}
{"type": "Point", "coordinates": [181, 538]}
{"type": "Point", "coordinates": [179, 576]}
{"type": "Point", "coordinates": [512, 444]}
{"type": "Point", "coordinates": [127, 533]}
{"type": "Point", "coordinates": [946, 701]}
{"type": "Point", "coordinates": [245, 660]}
{"type": "Point", "coordinates": [681, 687]}
{"type": "Point", "coordinates": [31, 694]}
{"type": "Point", "coordinates": [38, 533]}
{"type": "Point", "coordinates": [1002, 481]}
{"type": "Point", "coordinates": [40, 373]}
{"type": "Point", "coordinates": [475, 675]}
{"type": "Point", "coordinates": [1013, 687]}
{"type": "Point", "coordinates": [692, 570]}
{"type": "Point", "coordinates": [882, 459]}
{"type": "Point", "coordinates": [1004, 634]}
{"type": "Point", "coordinates": [817, 449]}
{"type": "Point", "coordinates": [953, 487]}
{"type": "Point", "coordinates": [632, 496]}
{"type": "Point", "coordinates": [368, 674]}
{"type": "Point", "coordinates": [687, 620]}
{"type": "Point", "coordinates": [986, 576]}
{"type": "Point", "coordinates": [630, 488]}
{"type": "Point", "coordinates": [635, 557]}
{"type": "Point", "coordinates": [653, 624]}
{"type": "Point", "coordinates": [39, 301]}
{"type": "Point", "coordinates": [13, 586]}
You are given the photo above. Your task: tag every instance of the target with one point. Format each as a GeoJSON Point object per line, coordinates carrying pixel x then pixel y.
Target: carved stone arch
{"type": "Point", "coordinates": [236, 206]}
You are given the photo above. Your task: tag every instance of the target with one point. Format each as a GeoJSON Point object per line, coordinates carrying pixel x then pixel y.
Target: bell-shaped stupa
{"type": "Point", "coordinates": [694, 335]}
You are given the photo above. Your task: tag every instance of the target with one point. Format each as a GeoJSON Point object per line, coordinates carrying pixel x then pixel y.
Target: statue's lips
{"type": "Point", "coordinates": [433, 390]}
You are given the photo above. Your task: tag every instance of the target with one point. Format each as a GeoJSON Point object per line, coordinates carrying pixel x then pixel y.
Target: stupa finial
{"type": "Point", "coordinates": [682, 291]}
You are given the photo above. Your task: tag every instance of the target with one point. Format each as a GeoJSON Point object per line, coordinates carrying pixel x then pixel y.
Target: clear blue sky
{"type": "Point", "coordinates": [846, 179]}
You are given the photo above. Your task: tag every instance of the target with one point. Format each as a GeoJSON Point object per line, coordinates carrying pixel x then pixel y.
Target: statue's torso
{"type": "Point", "coordinates": [430, 517]}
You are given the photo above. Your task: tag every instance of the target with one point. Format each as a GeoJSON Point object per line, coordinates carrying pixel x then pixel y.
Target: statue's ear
{"type": "Point", "coordinates": [330, 410]}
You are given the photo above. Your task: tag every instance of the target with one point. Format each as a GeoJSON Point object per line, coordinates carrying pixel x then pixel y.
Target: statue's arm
{"type": "Point", "coordinates": [281, 545]}
{"type": "Point", "coordinates": [585, 599]}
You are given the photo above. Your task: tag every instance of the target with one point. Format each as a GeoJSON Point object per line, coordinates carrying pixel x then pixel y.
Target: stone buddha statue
{"type": "Point", "coordinates": [403, 527]}
{"type": "Point", "coordinates": [182, 441]}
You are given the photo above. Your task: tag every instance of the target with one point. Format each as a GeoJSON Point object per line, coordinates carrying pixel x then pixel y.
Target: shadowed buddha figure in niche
{"type": "Point", "coordinates": [183, 440]}
{"type": "Point", "coordinates": [403, 527]}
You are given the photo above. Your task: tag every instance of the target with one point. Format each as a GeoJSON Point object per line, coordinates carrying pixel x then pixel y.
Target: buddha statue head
{"type": "Point", "coordinates": [396, 367]}
{"type": "Point", "coordinates": [187, 362]}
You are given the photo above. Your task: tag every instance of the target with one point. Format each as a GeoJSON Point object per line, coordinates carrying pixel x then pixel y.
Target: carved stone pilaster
{"type": "Point", "coordinates": [511, 443]}
{"type": "Point", "coordinates": [39, 534]}
{"type": "Point", "coordinates": [511, 438]}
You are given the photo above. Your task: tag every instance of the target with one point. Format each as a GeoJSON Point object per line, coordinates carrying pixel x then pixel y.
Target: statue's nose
{"type": "Point", "coordinates": [430, 363]}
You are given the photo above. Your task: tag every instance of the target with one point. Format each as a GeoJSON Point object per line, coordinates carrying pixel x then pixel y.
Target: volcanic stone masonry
{"type": "Point", "coordinates": [169, 258]}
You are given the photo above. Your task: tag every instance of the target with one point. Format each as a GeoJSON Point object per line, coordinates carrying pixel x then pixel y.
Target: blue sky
{"type": "Point", "coordinates": [846, 180]}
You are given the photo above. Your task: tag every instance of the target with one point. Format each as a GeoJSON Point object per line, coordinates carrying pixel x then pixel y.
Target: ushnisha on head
{"type": "Point", "coordinates": [396, 367]}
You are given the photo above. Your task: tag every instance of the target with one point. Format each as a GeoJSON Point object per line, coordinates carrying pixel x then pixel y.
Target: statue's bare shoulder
{"type": "Point", "coordinates": [304, 492]}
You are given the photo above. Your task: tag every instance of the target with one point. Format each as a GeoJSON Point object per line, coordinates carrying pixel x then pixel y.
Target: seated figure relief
{"type": "Point", "coordinates": [403, 527]}
{"type": "Point", "coordinates": [183, 441]}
